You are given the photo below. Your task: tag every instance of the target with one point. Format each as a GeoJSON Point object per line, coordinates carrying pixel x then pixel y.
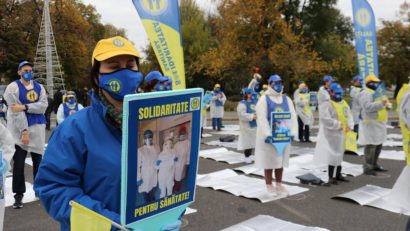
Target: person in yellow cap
{"type": "Point", "coordinates": [305, 115]}
{"type": "Point", "coordinates": [83, 157]}
{"type": "Point", "coordinates": [69, 107]}
{"type": "Point", "coordinates": [373, 131]}
{"type": "Point", "coordinates": [264, 89]}
{"type": "Point", "coordinates": [217, 107]}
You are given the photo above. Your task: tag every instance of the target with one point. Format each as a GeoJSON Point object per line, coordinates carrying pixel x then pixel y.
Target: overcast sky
{"type": "Point", "coordinates": [121, 13]}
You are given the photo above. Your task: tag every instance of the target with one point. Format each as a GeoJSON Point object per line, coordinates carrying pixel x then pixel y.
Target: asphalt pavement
{"type": "Point", "coordinates": [218, 209]}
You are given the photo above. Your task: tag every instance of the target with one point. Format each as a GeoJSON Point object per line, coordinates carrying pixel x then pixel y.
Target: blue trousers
{"type": "Point", "coordinates": [217, 123]}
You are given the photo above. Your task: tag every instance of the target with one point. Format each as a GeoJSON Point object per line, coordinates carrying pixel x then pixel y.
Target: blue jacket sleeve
{"type": "Point", "coordinates": [59, 179]}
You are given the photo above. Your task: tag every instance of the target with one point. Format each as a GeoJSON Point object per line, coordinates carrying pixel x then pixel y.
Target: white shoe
{"type": "Point", "coordinates": [281, 189]}
{"type": "Point", "coordinates": [271, 189]}
{"type": "Point", "coordinates": [247, 160]}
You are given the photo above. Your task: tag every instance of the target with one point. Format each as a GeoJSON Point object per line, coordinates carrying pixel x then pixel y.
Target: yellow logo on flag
{"type": "Point", "coordinates": [194, 104]}
{"type": "Point", "coordinates": [32, 96]}
{"type": "Point", "coordinates": [115, 85]}
{"type": "Point", "coordinates": [155, 7]}
{"type": "Point", "coordinates": [363, 17]}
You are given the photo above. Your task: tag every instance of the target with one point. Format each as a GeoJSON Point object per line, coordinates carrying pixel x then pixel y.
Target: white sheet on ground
{"type": "Point", "coordinates": [378, 197]}
{"type": "Point", "coordinates": [297, 150]}
{"type": "Point", "coordinates": [190, 211]}
{"type": "Point", "coordinates": [29, 195]}
{"type": "Point", "coordinates": [269, 223]}
{"type": "Point", "coordinates": [392, 143]}
{"type": "Point", "coordinates": [206, 135]}
{"type": "Point", "coordinates": [222, 155]}
{"type": "Point", "coordinates": [394, 136]}
{"type": "Point", "coordinates": [240, 185]}
{"type": "Point", "coordinates": [227, 132]}
{"type": "Point", "coordinates": [223, 144]}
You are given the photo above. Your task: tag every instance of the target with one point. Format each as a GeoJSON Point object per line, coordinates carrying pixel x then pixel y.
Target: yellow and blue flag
{"type": "Point", "coordinates": [365, 38]}
{"type": "Point", "coordinates": [161, 20]}
{"type": "Point", "coordinates": [380, 91]}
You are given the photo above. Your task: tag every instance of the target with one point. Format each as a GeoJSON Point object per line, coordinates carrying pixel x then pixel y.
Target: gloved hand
{"type": "Point", "coordinates": [176, 226]}
{"type": "Point", "coordinates": [268, 140]}
{"type": "Point", "coordinates": [158, 162]}
{"type": "Point", "coordinates": [176, 159]}
{"type": "Point", "coordinates": [139, 183]}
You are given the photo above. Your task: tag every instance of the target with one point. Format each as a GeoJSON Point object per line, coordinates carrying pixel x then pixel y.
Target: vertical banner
{"type": "Point", "coordinates": [160, 146]}
{"type": "Point", "coordinates": [280, 124]}
{"type": "Point", "coordinates": [162, 24]}
{"type": "Point", "coordinates": [365, 38]}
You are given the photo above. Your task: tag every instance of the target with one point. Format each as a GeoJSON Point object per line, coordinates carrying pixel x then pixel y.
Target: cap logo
{"type": "Point", "coordinates": [118, 43]}
{"type": "Point", "coordinates": [115, 85]}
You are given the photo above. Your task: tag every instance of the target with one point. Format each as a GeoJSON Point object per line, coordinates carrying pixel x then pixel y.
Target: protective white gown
{"type": "Point", "coordinates": [265, 154]}
{"type": "Point", "coordinates": [335, 137]}
{"type": "Point", "coordinates": [182, 149]}
{"type": "Point", "coordinates": [322, 147]}
{"type": "Point", "coordinates": [247, 134]}
{"type": "Point", "coordinates": [147, 172]}
{"type": "Point", "coordinates": [355, 109]}
{"type": "Point", "coordinates": [218, 112]}
{"type": "Point", "coordinates": [166, 171]}
{"type": "Point", "coordinates": [306, 117]}
{"type": "Point", "coordinates": [370, 132]}
{"type": "Point", "coordinates": [60, 112]}
{"type": "Point", "coordinates": [6, 144]}
{"type": "Point", "coordinates": [17, 121]}
{"type": "Point", "coordinates": [3, 109]}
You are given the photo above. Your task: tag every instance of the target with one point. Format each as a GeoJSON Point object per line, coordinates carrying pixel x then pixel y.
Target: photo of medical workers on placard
{"type": "Point", "coordinates": [163, 157]}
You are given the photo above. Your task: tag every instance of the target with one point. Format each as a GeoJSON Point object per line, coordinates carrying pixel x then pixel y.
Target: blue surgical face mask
{"type": "Point", "coordinates": [71, 100]}
{"type": "Point", "coordinates": [27, 76]}
{"type": "Point", "coordinates": [161, 86]}
{"type": "Point", "coordinates": [304, 90]}
{"type": "Point", "coordinates": [120, 83]}
{"type": "Point", "coordinates": [277, 87]}
{"type": "Point", "coordinates": [254, 97]}
{"type": "Point", "coordinates": [373, 85]}
{"type": "Point", "coordinates": [217, 89]}
{"type": "Point", "coordinates": [148, 141]}
{"type": "Point", "coordinates": [337, 97]}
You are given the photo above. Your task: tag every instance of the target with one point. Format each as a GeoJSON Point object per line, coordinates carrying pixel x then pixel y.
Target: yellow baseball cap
{"type": "Point", "coordinates": [302, 85]}
{"type": "Point", "coordinates": [371, 78]}
{"type": "Point", "coordinates": [217, 85]}
{"type": "Point", "coordinates": [107, 48]}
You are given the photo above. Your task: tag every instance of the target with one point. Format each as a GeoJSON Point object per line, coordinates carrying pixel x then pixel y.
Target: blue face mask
{"type": "Point", "coordinates": [161, 86]}
{"type": "Point", "coordinates": [27, 76]}
{"type": "Point", "coordinates": [304, 90]}
{"type": "Point", "coordinates": [120, 83]}
{"type": "Point", "coordinates": [337, 97]}
{"type": "Point", "coordinates": [71, 100]}
{"type": "Point", "coordinates": [254, 97]}
{"type": "Point", "coordinates": [217, 90]}
{"type": "Point", "coordinates": [148, 141]}
{"type": "Point", "coordinates": [373, 85]}
{"type": "Point", "coordinates": [277, 87]}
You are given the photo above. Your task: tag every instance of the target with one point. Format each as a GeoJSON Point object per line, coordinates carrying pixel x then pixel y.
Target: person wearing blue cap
{"type": "Point", "coordinates": [147, 174]}
{"type": "Point", "coordinates": [355, 90]}
{"type": "Point", "coordinates": [155, 81]}
{"type": "Point", "coordinates": [69, 107]}
{"type": "Point", "coordinates": [26, 121]}
{"type": "Point", "coordinates": [217, 107]}
{"type": "Point", "coordinates": [247, 123]}
{"type": "Point", "coordinates": [336, 120]}
{"type": "Point", "coordinates": [266, 155]}
{"type": "Point", "coordinates": [322, 146]}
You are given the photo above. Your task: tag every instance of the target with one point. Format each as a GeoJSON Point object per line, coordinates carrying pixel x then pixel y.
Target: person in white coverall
{"type": "Point", "coordinates": [305, 115]}
{"type": "Point", "coordinates": [69, 107]}
{"type": "Point", "coordinates": [166, 164]}
{"type": "Point", "coordinates": [266, 155]}
{"type": "Point", "coordinates": [7, 148]}
{"type": "Point", "coordinates": [147, 173]}
{"type": "Point", "coordinates": [373, 130]}
{"type": "Point", "coordinates": [217, 107]}
{"type": "Point", "coordinates": [336, 120]}
{"type": "Point", "coordinates": [354, 103]}
{"type": "Point", "coordinates": [401, 189]}
{"type": "Point", "coordinates": [322, 147]}
{"type": "Point", "coordinates": [182, 148]}
{"type": "Point", "coordinates": [27, 101]}
{"type": "Point", "coordinates": [247, 123]}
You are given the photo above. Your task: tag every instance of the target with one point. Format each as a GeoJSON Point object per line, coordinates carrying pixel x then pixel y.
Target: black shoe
{"type": "Point", "coordinates": [370, 172]}
{"type": "Point", "coordinates": [18, 202]}
{"type": "Point", "coordinates": [379, 168]}
{"type": "Point", "coordinates": [341, 178]}
{"type": "Point", "coordinates": [330, 182]}
{"type": "Point", "coordinates": [309, 141]}
{"type": "Point", "coordinates": [219, 129]}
